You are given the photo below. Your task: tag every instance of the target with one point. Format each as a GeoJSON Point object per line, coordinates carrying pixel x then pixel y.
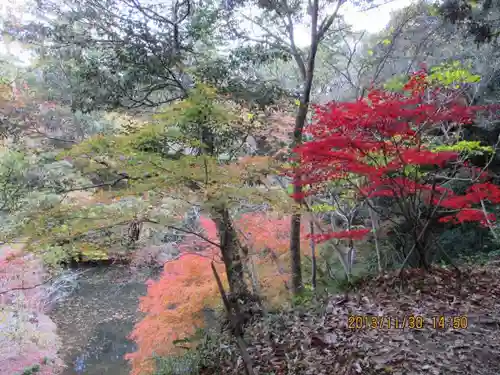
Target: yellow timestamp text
{"type": "Point", "coordinates": [439, 322]}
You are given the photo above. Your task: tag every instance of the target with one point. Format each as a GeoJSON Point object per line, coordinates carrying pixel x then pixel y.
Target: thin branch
{"type": "Point", "coordinates": [124, 176]}
{"type": "Point", "coordinates": [36, 130]}
{"type": "Point", "coordinates": [197, 253]}
{"type": "Point", "coordinates": [424, 229]}
{"type": "Point", "coordinates": [236, 325]}
{"type": "Point", "coordinates": [185, 231]}
{"type": "Point", "coordinates": [490, 226]}
{"type": "Point", "coordinates": [291, 35]}
{"type": "Point", "coordinates": [327, 22]}
{"type": "Point", "coordinates": [26, 287]}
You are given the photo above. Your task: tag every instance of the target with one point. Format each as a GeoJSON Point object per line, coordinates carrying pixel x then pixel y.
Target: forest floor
{"type": "Point", "coordinates": [338, 339]}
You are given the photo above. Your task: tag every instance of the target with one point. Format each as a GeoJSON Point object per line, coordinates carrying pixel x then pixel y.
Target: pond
{"type": "Point", "coordinates": [96, 319]}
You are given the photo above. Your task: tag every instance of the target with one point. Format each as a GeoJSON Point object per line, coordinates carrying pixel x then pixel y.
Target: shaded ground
{"type": "Point", "coordinates": [94, 322]}
{"type": "Point", "coordinates": [340, 340]}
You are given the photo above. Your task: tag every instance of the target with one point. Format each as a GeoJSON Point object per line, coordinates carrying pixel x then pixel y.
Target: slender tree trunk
{"type": "Point", "coordinates": [249, 265]}
{"type": "Point", "coordinates": [300, 120]}
{"type": "Point", "coordinates": [295, 261]}
{"type": "Point", "coordinates": [295, 258]}
{"type": "Point", "coordinates": [313, 255]}
{"type": "Point", "coordinates": [374, 220]}
{"type": "Point", "coordinates": [230, 249]}
{"type": "Point", "coordinates": [490, 226]}
{"type": "Point", "coordinates": [236, 321]}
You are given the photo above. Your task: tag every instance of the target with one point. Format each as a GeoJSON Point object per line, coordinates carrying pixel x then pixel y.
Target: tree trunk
{"type": "Point", "coordinates": [313, 255]}
{"type": "Point", "coordinates": [375, 226]}
{"type": "Point", "coordinates": [236, 321]}
{"type": "Point", "coordinates": [230, 249]}
{"type": "Point", "coordinates": [300, 120]}
{"type": "Point", "coordinates": [295, 261]}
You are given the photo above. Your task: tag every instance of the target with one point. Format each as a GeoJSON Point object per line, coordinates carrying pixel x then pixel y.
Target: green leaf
{"type": "Point", "coordinates": [451, 75]}
{"type": "Point", "coordinates": [434, 11]}
{"type": "Point", "coordinates": [467, 147]}
{"type": "Point", "coordinates": [323, 207]}
{"type": "Point", "coordinates": [395, 83]}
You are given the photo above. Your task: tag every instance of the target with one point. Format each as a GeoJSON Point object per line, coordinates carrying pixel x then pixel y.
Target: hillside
{"type": "Point", "coordinates": [323, 339]}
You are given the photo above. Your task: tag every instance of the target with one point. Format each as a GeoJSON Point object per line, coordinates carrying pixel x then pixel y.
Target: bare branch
{"type": "Point", "coordinates": [291, 35]}
{"type": "Point", "coordinates": [26, 287]}
{"type": "Point", "coordinates": [328, 21]}
{"type": "Point", "coordinates": [185, 231]}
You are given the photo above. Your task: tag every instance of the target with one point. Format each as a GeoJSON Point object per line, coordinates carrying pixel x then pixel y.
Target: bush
{"type": "Point", "coordinates": [187, 364]}
{"type": "Point", "coordinates": [31, 370]}
{"type": "Point", "coordinates": [466, 240]}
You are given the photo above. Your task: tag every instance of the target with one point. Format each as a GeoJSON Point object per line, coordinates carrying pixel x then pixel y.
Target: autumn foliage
{"type": "Point", "coordinates": [173, 304]}
{"type": "Point", "coordinates": [267, 234]}
{"type": "Point", "coordinates": [27, 335]}
{"type": "Point", "coordinates": [380, 144]}
{"type": "Point", "coordinates": [22, 111]}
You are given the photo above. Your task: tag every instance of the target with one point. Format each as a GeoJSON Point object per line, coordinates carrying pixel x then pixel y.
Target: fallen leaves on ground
{"type": "Point", "coordinates": [323, 343]}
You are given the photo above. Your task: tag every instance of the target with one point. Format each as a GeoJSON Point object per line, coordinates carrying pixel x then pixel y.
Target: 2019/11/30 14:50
{"type": "Point", "coordinates": [407, 321]}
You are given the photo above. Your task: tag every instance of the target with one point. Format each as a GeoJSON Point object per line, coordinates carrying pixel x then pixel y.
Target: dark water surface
{"type": "Point", "coordinates": [95, 321]}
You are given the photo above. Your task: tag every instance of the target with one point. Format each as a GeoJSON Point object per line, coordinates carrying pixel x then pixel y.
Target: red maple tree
{"type": "Point", "coordinates": [380, 145]}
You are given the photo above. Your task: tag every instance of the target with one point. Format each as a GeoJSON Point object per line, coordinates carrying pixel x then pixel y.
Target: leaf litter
{"type": "Point", "coordinates": [321, 341]}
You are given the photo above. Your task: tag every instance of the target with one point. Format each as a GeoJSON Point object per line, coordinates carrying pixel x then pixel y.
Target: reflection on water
{"type": "Point", "coordinates": [105, 350]}
{"type": "Point", "coordinates": [80, 364]}
{"type": "Point", "coordinates": [94, 322]}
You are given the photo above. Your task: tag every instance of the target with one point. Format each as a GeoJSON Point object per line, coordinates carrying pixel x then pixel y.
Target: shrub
{"type": "Point", "coordinates": [187, 364]}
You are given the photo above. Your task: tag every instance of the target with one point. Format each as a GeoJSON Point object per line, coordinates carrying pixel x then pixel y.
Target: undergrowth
{"type": "Point", "coordinates": [213, 350]}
